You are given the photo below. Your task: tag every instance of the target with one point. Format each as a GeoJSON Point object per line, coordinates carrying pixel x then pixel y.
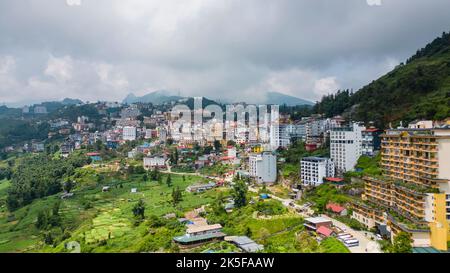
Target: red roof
{"type": "Point", "coordinates": [335, 208]}
{"type": "Point", "coordinates": [93, 154]}
{"type": "Point", "coordinates": [334, 179]}
{"type": "Point", "coordinates": [323, 230]}
{"type": "Point", "coordinates": [372, 130]}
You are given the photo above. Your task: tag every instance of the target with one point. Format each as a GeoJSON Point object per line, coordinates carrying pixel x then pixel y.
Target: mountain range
{"type": "Point", "coordinates": [157, 97]}
{"type": "Point", "coordinates": [164, 96]}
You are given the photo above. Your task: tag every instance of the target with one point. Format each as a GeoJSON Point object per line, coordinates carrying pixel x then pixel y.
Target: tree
{"type": "Point", "coordinates": [217, 145]}
{"type": "Point", "coordinates": [402, 243]}
{"type": "Point", "coordinates": [48, 238]}
{"type": "Point", "coordinates": [154, 174]}
{"type": "Point", "coordinates": [68, 186]}
{"type": "Point", "coordinates": [55, 219]}
{"type": "Point", "coordinates": [174, 157]}
{"type": "Point", "coordinates": [169, 181]}
{"type": "Point", "coordinates": [42, 220]}
{"type": "Point", "coordinates": [139, 210]}
{"type": "Point", "coordinates": [240, 193]}
{"type": "Point", "coordinates": [145, 177]}
{"type": "Point", "coordinates": [248, 232]}
{"type": "Point", "coordinates": [177, 196]}
{"type": "Point", "coordinates": [305, 243]}
{"type": "Point", "coordinates": [231, 143]}
{"type": "Point", "coordinates": [218, 205]}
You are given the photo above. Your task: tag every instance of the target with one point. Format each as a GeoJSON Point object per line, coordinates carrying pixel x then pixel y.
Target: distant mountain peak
{"type": "Point", "coordinates": [278, 98]}
{"type": "Point", "coordinates": [156, 97]}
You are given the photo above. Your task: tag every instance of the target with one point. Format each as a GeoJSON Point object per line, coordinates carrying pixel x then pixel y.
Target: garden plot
{"type": "Point", "coordinates": [108, 225]}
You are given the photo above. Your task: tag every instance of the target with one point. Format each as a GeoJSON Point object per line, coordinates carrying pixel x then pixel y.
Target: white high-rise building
{"type": "Point", "coordinates": [263, 167]}
{"type": "Point", "coordinates": [314, 169]}
{"type": "Point", "coordinates": [129, 133]}
{"type": "Point", "coordinates": [346, 147]}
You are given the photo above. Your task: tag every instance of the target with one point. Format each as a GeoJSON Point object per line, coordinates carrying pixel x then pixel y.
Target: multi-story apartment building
{"type": "Point", "coordinates": [346, 146]}
{"type": "Point", "coordinates": [371, 141]}
{"type": "Point", "coordinates": [129, 133]}
{"type": "Point", "coordinates": [315, 128]}
{"type": "Point", "coordinates": [419, 156]}
{"type": "Point", "coordinates": [314, 169]}
{"type": "Point", "coordinates": [263, 167]}
{"type": "Point", "coordinates": [414, 193]}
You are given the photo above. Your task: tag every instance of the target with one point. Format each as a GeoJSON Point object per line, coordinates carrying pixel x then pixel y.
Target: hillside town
{"type": "Point", "coordinates": [379, 183]}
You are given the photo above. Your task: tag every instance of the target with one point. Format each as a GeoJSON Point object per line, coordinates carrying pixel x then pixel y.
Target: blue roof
{"type": "Point", "coordinates": [194, 238]}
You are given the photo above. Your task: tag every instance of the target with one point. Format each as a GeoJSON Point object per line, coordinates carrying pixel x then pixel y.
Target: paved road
{"type": "Point", "coordinates": [366, 245]}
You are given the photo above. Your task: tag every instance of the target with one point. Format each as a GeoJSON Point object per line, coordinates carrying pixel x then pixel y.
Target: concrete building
{"type": "Point", "coordinates": [313, 170]}
{"type": "Point", "coordinates": [154, 162]}
{"type": "Point", "coordinates": [263, 167]}
{"type": "Point", "coordinates": [198, 234]}
{"type": "Point", "coordinates": [314, 223]}
{"type": "Point", "coordinates": [371, 141]}
{"type": "Point", "coordinates": [346, 147]}
{"type": "Point", "coordinates": [414, 194]}
{"type": "Point", "coordinates": [129, 133]}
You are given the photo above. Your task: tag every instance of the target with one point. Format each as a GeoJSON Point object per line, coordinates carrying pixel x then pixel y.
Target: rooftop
{"type": "Point", "coordinates": [194, 238]}
{"type": "Point", "coordinates": [202, 228]}
{"type": "Point", "coordinates": [317, 220]}
{"type": "Point", "coordinates": [245, 243]}
{"type": "Point", "coordinates": [335, 208]}
{"type": "Point", "coordinates": [427, 250]}
{"type": "Point", "coordinates": [323, 230]}
{"type": "Point", "coordinates": [314, 158]}
{"type": "Point", "coordinates": [334, 179]}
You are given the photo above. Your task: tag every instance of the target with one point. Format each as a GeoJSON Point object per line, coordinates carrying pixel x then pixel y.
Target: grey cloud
{"type": "Point", "coordinates": [220, 49]}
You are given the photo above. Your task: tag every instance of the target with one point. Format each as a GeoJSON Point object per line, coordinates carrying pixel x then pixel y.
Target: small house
{"type": "Point", "coordinates": [337, 209]}
{"type": "Point", "coordinates": [325, 231]}
{"type": "Point", "coordinates": [314, 223]}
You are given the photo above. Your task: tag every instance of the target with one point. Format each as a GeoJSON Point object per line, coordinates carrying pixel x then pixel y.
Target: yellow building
{"type": "Point", "coordinates": [418, 210]}
{"type": "Point", "coordinates": [416, 188]}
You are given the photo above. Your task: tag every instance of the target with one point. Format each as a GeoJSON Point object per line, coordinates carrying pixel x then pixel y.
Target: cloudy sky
{"type": "Point", "coordinates": [105, 49]}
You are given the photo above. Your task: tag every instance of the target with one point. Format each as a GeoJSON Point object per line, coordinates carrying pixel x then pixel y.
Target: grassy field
{"type": "Point", "coordinates": [103, 221]}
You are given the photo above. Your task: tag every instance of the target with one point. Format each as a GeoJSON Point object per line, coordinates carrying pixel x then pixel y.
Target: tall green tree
{"type": "Point", "coordinates": [177, 196]}
{"type": "Point", "coordinates": [169, 181]}
{"type": "Point", "coordinates": [240, 193]}
{"type": "Point", "coordinates": [139, 210]}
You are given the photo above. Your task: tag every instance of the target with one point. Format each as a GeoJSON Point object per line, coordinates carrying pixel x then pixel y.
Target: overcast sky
{"type": "Point", "coordinates": [105, 49]}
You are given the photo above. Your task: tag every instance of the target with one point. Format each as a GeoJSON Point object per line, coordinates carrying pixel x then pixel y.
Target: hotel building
{"type": "Point", "coordinates": [314, 169]}
{"type": "Point", "coordinates": [414, 194]}
{"type": "Point", "coordinates": [263, 167]}
{"type": "Point", "coordinates": [346, 147]}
